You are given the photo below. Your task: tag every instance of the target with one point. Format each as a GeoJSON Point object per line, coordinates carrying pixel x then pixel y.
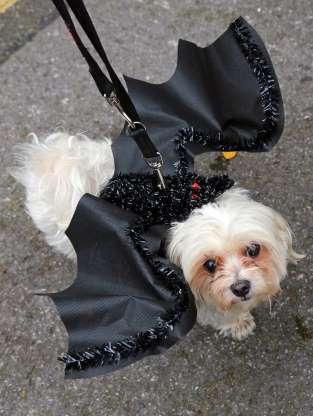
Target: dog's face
{"type": "Point", "coordinates": [233, 253]}
{"type": "Point", "coordinates": [235, 272]}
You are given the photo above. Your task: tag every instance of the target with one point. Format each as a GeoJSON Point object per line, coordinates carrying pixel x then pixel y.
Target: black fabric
{"type": "Point", "coordinates": [127, 301]}
{"type": "Point", "coordinates": [116, 294]}
{"type": "Point", "coordinates": [227, 93]}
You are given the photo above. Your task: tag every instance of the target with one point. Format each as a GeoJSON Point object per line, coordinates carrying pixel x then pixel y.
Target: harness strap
{"type": "Point", "coordinates": [113, 90]}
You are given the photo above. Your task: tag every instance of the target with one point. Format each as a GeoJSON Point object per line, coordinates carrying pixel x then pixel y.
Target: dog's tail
{"type": "Point", "coordinates": [56, 172]}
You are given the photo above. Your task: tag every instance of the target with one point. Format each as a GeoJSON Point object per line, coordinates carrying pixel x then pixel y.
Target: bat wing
{"type": "Point", "coordinates": [118, 309]}
{"type": "Point", "coordinates": [225, 95]}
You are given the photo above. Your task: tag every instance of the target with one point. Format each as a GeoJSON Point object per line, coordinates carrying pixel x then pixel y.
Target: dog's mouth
{"type": "Point", "coordinates": [242, 299]}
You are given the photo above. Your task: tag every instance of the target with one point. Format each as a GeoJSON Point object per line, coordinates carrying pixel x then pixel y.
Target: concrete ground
{"type": "Point", "coordinates": [44, 85]}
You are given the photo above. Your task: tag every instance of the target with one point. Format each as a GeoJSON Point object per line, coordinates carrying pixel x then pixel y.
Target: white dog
{"type": "Point", "coordinates": [233, 252]}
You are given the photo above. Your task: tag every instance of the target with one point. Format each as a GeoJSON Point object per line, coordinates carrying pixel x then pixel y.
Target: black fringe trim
{"type": "Point", "coordinates": [190, 135]}
{"type": "Point", "coordinates": [269, 98]}
{"type": "Point", "coordinates": [139, 193]}
{"type": "Point", "coordinates": [263, 72]}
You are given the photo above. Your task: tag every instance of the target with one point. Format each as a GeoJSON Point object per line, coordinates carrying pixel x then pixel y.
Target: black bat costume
{"type": "Point", "coordinates": [127, 300]}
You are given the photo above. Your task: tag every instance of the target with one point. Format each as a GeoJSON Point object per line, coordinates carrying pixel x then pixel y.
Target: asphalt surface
{"type": "Point", "coordinates": [44, 85]}
{"type": "Point", "coordinates": [19, 24]}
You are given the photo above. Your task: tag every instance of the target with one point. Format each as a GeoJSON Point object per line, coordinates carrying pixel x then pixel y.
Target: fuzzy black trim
{"type": "Point", "coordinates": [269, 98]}
{"type": "Point", "coordinates": [263, 72]}
{"type": "Point", "coordinates": [139, 193]}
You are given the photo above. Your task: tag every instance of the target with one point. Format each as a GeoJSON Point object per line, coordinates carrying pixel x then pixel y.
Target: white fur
{"type": "Point", "coordinates": [58, 170]}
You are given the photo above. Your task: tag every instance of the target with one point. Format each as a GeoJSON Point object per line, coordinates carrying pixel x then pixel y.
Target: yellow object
{"type": "Point", "coordinates": [5, 4]}
{"type": "Point", "coordinates": [229, 155]}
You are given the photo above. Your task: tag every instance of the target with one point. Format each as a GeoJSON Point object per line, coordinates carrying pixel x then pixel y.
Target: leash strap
{"type": "Point", "coordinates": [112, 89]}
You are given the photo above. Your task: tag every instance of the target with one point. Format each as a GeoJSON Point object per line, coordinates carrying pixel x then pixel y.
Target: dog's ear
{"type": "Point", "coordinates": [285, 235]}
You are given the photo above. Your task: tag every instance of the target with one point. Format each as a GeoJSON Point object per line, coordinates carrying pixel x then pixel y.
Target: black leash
{"type": "Point", "coordinates": [112, 89]}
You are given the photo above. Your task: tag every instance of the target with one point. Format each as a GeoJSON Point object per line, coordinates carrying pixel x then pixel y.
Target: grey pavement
{"type": "Point", "coordinates": [19, 24]}
{"type": "Point", "coordinates": [44, 85]}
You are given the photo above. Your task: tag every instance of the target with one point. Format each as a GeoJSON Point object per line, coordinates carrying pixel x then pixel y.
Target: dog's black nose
{"type": "Point", "coordinates": [240, 288]}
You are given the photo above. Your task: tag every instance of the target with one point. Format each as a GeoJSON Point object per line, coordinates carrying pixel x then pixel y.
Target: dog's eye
{"type": "Point", "coordinates": [210, 265]}
{"type": "Point", "coordinates": [253, 250]}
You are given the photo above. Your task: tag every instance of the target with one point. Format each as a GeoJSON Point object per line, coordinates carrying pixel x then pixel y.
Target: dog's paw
{"type": "Point", "coordinates": [239, 329]}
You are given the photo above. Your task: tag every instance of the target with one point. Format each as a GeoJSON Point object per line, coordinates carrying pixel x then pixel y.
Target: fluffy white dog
{"type": "Point", "coordinates": [233, 252]}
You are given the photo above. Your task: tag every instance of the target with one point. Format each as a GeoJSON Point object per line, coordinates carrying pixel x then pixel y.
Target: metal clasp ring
{"type": "Point", "coordinates": [134, 124]}
{"type": "Point", "coordinates": [114, 102]}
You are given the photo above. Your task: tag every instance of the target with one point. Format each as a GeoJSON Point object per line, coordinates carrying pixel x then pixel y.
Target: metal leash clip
{"type": "Point", "coordinates": [114, 102]}
{"type": "Point", "coordinates": [154, 163]}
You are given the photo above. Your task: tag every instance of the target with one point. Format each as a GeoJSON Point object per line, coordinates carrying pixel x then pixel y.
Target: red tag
{"type": "Point", "coordinates": [195, 186]}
